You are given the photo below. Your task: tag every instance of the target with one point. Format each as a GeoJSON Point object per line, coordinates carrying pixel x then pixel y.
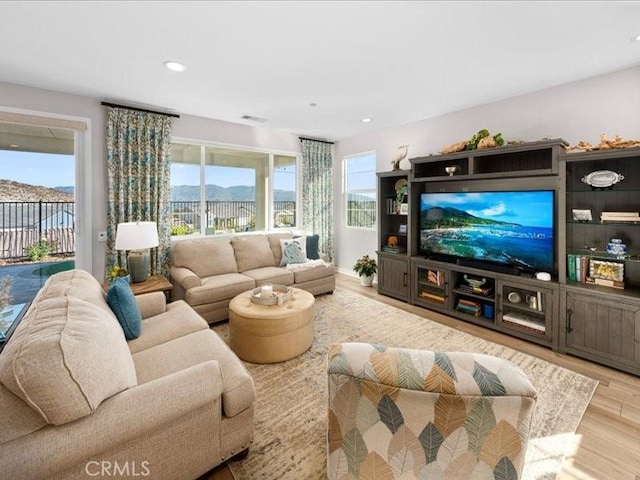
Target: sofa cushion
{"type": "Point", "coordinates": [65, 357]}
{"type": "Point", "coordinates": [123, 303]}
{"type": "Point", "coordinates": [252, 251]}
{"type": "Point", "coordinates": [179, 320]}
{"type": "Point", "coordinates": [205, 256]}
{"type": "Point", "coordinates": [238, 391]}
{"type": "Point", "coordinates": [312, 270]}
{"type": "Point", "coordinates": [219, 287]}
{"type": "Point", "coordinates": [293, 251]}
{"type": "Point", "coordinates": [265, 275]}
{"type": "Point", "coordinates": [274, 242]}
{"type": "Point", "coordinates": [74, 283]}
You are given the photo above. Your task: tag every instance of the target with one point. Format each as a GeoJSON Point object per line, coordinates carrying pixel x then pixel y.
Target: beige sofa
{"type": "Point", "coordinates": [78, 401]}
{"type": "Point", "coordinates": [208, 272]}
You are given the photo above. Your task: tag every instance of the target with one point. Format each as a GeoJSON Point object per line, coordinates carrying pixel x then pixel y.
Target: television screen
{"type": "Point", "coordinates": [513, 228]}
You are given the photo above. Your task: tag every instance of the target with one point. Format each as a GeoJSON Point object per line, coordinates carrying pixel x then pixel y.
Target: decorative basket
{"type": "Point", "coordinates": [280, 295]}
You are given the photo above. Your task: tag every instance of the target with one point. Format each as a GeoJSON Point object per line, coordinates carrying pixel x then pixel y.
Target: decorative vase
{"type": "Point", "coordinates": [366, 280]}
{"type": "Point", "coordinates": [616, 247]}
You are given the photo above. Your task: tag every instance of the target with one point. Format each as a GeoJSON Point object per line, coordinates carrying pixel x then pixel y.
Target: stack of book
{"type": "Point", "coordinates": [396, 249]}
{"type": "Point", "coordinates": [620, 217]}
{"type": "Point", "coordinates": [525, 322]}
{"type": "Point", "coordinates": [469, 306]}
{"type": "Point", "coordinates": [434, 297]}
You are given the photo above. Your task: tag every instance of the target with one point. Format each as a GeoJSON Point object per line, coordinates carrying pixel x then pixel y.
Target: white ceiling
{"type": "Point", "coordinates": [396, 62]}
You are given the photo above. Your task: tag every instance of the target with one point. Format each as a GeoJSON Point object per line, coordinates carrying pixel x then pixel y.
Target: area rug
{"type": "Point", "coordinates": [291, 403]}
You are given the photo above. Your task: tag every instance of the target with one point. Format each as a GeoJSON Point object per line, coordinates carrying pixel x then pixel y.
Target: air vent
{"type": "Point", "coordinates": [254, 119]}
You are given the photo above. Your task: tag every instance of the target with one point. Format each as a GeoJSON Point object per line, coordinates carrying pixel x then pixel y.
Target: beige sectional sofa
{"type": "Point", "coordinates": [208, 272]}
{"type": "Point", "coordinates": [77, 400]}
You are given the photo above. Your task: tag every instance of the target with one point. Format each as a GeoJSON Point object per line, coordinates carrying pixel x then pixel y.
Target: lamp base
{"type": "Point", "coordinates": [139, 265]}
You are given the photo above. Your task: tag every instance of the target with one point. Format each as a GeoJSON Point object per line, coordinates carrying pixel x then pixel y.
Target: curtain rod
{"type": "Point", "coordinates": [107, 104]}
{"type": "Point", "coordinates": [315, 140]}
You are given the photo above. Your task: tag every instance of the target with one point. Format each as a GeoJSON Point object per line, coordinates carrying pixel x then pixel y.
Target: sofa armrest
{"type": "Point", "coordinates": [151, 304]}
{"type": "Point", "coordinates": [185, 277]}
{"type": "Point", "coordinates": [128, 415]}
{"type": "Point", "coordinates": [456, 373]}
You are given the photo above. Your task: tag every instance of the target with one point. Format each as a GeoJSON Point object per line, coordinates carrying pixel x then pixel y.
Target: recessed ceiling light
{"type": "Point", "coordinates": [365, 120]}
{"type": "Point", "coordinates": [175, 66]}
{"type": "Point", "coordinates": [636, 38]}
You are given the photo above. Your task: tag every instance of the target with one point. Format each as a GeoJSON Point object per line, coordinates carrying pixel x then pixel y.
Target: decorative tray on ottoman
{"type": "Point", "coordinates": [279, 295]}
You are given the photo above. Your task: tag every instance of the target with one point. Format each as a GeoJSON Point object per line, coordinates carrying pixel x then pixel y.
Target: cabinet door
{"type": "Point", "coordinates": [430, 286]}
{"type": "Point", "coordinates": [526, 310]}
{"type": "Point", "coordinates": [393, 276]}
{"type": "Point", "coordinates": [603, 329]}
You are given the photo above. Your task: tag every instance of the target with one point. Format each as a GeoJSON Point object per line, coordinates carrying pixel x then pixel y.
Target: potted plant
{"type": "Point", "coordinates": [366, 267]}
{"type": "Point", "coordinates": [117, 271]}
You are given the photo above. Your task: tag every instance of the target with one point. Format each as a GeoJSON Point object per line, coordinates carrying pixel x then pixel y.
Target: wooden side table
{"type": "Point", "coordinates": [155, 283]}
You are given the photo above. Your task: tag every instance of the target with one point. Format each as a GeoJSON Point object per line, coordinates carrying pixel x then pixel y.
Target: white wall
{"type": "Point", "coordinates": [576, 111]}
{"type": "Point", "coordinates": [196, 128]}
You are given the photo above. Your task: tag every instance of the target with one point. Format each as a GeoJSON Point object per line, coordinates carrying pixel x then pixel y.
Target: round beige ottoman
{"type": "Point", "coordinates": [271, 333]}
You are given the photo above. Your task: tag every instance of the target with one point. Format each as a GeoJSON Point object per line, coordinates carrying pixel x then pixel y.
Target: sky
{"type": "Point", "coordinates": [51, 170]}
{"type": "Point", "coordinates": [46, 169]}
{"type": "Point", "coordinates": [528, 208]}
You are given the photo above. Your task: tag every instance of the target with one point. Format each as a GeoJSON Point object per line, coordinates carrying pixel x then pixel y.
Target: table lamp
{"type": "Point", "coordinates": [137, 238]}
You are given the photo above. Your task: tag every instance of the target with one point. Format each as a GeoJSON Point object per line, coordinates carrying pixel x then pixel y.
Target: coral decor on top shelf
{"type": "Point", "coordinates": [605, 144]}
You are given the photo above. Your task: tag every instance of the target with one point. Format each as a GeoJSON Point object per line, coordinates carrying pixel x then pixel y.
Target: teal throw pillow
{"type": "Point", "coordinates": [313, 242]}
{"type": "Point", "coordinates": [312, 245]}
{"type": "Point", "coordinates": [293, 251]}
{"type": "Point", "coordinates": [123, 303]}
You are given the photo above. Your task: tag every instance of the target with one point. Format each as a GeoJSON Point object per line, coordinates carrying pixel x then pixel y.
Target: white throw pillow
{"type": "Point", "coordinates": [294, 250]}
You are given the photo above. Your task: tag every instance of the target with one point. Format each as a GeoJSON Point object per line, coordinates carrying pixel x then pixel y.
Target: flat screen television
{"type": "Point", "coordinates": [513, 229]}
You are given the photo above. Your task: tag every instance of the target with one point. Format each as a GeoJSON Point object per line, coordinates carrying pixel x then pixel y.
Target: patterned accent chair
{"type": "Point", "coordinates": [401, 413]}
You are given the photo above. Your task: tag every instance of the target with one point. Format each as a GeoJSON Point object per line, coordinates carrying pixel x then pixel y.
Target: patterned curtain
{"type": "Point", "coordinates": [317, 192]}
{"type": "Point", "coordinates": [138, 169]}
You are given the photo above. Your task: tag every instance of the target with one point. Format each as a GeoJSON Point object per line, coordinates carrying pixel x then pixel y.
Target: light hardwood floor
{"type": "Point", "coordinates": [607, 442]}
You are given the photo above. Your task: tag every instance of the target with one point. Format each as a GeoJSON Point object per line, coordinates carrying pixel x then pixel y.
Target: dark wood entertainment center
{"type": "Point", "coordinates": [593, 321]}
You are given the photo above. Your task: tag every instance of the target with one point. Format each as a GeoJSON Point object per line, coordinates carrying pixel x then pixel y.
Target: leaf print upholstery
{"type": "Point", "coordinates": [446, 415]}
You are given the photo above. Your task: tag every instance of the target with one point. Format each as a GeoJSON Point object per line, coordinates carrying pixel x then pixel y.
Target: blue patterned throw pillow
{"type": "Point", "coordinates": [293, 251]}
{"type": "Point", "coordinates": [123, 304]}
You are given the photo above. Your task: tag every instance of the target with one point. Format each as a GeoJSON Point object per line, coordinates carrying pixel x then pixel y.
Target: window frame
{"type": "Point", "coordinates": [347, 192]}
{"type": "Point", "coordinates": [269, 205]}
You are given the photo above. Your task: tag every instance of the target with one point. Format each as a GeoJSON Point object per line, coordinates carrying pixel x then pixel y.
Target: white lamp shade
{"type": "Point", "coordinates": [136, 235]}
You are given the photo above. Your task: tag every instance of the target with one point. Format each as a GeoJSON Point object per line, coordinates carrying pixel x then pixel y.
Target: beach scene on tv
{"type": "Point", "coordinates": [510, 228]}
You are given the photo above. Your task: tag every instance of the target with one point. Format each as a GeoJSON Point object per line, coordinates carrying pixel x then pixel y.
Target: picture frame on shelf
{"type": "Point", "coordinates": [581, 215]}
{"type": "Point", "coordinates": [404, 209]}
{"type": "Point", "coordinates": [402, 228]}
{"type": "Point", "coordinates": [608, 274]}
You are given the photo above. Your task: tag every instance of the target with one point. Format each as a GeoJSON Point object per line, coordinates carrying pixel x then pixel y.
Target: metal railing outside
{"type": "Point", "coordinates": [25, 224]}
{"type": "Point", "coordinates": [221, 215]}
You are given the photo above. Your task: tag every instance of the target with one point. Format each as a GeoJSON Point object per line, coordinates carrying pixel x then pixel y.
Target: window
{"type": "Point", "coordinates": [218, 190]}
{"type": "Point", "coordinates": [360, 190]}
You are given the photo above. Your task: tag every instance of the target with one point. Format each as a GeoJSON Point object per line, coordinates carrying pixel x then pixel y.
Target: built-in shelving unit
{"type": "Point", "coordinates": [394, 233]}
{"type": "Point", "coordinates": [591, 317]}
